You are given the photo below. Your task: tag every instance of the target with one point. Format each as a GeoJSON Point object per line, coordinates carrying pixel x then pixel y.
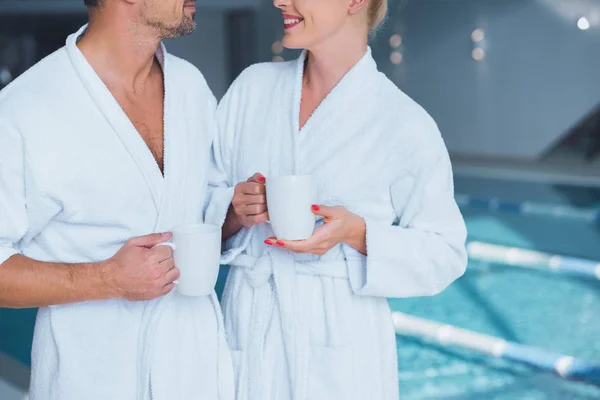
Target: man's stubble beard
{"type": "Point", "coordinates": [186, 26]}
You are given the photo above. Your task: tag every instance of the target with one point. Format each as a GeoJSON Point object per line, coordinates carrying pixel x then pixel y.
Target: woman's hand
{"type": "Point", "coordinates": [248, 207]}
{"type": "Point", "coordinates": [341, 226]}
{"type": "Point", "coordinates": [249, 204]}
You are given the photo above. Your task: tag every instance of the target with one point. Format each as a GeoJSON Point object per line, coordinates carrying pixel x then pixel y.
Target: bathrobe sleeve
{"type": "Point", "coordinates": [13, 211]}
{"type": "Point", "coordinates": [426, 251]}
{"type": "Point", "coordinates": [221, 178]}
{"type": "Point", "coordinates": [220, 188]}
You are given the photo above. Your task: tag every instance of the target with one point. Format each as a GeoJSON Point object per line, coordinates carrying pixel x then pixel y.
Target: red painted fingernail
{"type": "Point", "coordinates": [315, 207]}
{"type": "Point", "coordinates": [280, 244]}
{"type": "Point", "coordinates": [262, 179]}
{"type": "Point", "coordinates": [268, 242]}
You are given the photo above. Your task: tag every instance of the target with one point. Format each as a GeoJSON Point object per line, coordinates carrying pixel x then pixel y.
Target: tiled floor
{"type": "Point", "coordinates": [9, 392]}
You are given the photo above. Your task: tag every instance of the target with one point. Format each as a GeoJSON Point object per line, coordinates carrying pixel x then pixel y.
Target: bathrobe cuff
{"type": "Point", "coordinates": [218, 205]}
{"type": "Point", "coordinates": [369, 274]}
{"type": "Point", "coordinates": [405, 262]}
{"type": "Point", "coordinates": [382, 272]}
{"type": "Point", "coordinates": [216, 213]}
{"type": "Point", "coordinates": [236, 245]}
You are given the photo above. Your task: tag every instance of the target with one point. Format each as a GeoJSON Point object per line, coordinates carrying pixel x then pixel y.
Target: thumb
{"type": "Point", "coordinates": [151, 240]}
{"type": "Point", "coordinates": [258, 178]}
{"type": "Point", "coordinates": [327, 212]}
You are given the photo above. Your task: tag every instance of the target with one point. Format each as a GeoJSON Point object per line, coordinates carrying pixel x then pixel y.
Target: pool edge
{"type": "Point", "coordinates": [14, 372]}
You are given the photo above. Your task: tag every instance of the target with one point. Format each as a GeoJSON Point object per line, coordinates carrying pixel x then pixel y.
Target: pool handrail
{"type": "Point", "coordinates": [496, 204]}
{"type": "Point", "coordinates": [448, 335]}
{"type": "Point", "coordinates": [523, 258]}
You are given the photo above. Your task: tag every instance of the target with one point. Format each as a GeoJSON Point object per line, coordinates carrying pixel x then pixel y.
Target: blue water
{"type": "Point", "coordinates": [16, 333]}
{"type": "Point", "coordinates": [555, 312]}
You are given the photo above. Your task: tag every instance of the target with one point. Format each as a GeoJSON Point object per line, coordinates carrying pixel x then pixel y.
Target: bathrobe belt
{"type": "Point", "coordinates": [279, 267]}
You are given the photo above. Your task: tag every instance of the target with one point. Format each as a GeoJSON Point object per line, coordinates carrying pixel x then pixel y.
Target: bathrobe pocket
{"type": "Point", "coordinates": [330, 373]}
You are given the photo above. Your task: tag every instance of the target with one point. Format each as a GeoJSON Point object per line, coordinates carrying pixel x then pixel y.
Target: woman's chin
{"type": "Point", "coordinates": [293, 42]}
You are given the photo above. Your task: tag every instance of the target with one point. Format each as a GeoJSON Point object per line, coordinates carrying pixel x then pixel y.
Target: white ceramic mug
{"type": "Point", "coordinates": [289, 200]}
{"type": "Point", "coordinates": [197, 254]}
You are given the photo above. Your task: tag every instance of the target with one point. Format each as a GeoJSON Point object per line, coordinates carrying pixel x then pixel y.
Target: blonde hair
{"type": "Point", "coordinates": [377, 13]}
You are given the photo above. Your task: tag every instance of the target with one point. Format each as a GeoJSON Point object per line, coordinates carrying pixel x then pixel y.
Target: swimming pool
{"type": "Point", "coordinates": [555, 312]}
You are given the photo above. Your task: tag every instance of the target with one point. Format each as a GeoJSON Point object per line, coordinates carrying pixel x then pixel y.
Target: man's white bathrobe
{"type": "Point", "coordinates": [308, 328]}
{"type": "Point", "coordinates": [76, 182]}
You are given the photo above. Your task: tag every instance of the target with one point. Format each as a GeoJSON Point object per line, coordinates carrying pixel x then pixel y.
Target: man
{"type": "Point", "coordinates": [103, 143]}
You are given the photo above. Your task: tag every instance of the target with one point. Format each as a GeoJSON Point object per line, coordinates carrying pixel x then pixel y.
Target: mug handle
{"type": "Point", "coordinates": [173, 247]}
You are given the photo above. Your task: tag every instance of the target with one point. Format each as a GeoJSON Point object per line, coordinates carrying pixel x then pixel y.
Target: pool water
{"type": "Point", "coordinates": [552, 311]}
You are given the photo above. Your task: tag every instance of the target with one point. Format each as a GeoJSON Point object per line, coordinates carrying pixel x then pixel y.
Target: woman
{"type": "Point", "coordinates": [309, 319]}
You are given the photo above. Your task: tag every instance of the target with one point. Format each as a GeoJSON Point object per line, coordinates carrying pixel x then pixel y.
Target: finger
{"type": "Point", "coordinates": [167, 288]}
{"type": "Point", "coordinates": [258, 178]}
{"type": "Point", "coordinates": [167, 264]}
{"type": "Point", "coordinates": [328, 212]}
{"type": "Point", "coordinates": [150, 241]}
{"type": "Point", "coordinates": [302, 248]}
{"type": "Point", "coordinates": [249, 188]}
{"type": "Point", "coordinates": [254, 209]}
{"type": "Point", "coordinates": [241, 201]}
{"type": "Point", "coordinates": [296, 246]}
{"type": "Point", "coordinates": [172, 275]}
{"type": "Point", "coordinates": [250, 199]}
{"type": "Point", "coordinates": [260, 218]}
{"type": "Point", "coordinates": [272, 241]}
{"type": "Point", "coordinates": [318, 240]}
{"type": "Point", "coordinates": [161, 253]}
{"type": "Point", "coordinates": [253, 188]}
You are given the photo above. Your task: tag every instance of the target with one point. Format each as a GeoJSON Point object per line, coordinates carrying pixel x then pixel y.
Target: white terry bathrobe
{"type": "Point", "coordinates": [319, 328]}
{"type": "Point", "coordinates": [76, 182]}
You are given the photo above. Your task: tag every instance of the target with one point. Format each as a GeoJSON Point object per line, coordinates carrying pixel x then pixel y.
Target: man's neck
{"type": "Point", "coordinates": [121, 53]}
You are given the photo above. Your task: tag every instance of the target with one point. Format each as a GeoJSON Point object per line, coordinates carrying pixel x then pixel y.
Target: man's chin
{"type": "Point", "coordinates": [189, 24]}
{"type": "Point", "coordinates": [187, 27]}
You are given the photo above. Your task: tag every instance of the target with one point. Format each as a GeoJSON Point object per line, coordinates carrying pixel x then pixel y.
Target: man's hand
{"type": "Point", "coordinates": [141, 269]}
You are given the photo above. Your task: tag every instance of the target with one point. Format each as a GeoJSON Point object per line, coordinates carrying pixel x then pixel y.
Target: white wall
{"type": "Point", "coordinates": [540, 76]}
{"type": "Point", "coordinates": [206, 48]}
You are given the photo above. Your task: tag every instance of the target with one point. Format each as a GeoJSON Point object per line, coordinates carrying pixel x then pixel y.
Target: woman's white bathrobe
{"type": "Point", "coordinates": [76, 182]}
{"type": "Point", "coordinates": [303, 327]}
